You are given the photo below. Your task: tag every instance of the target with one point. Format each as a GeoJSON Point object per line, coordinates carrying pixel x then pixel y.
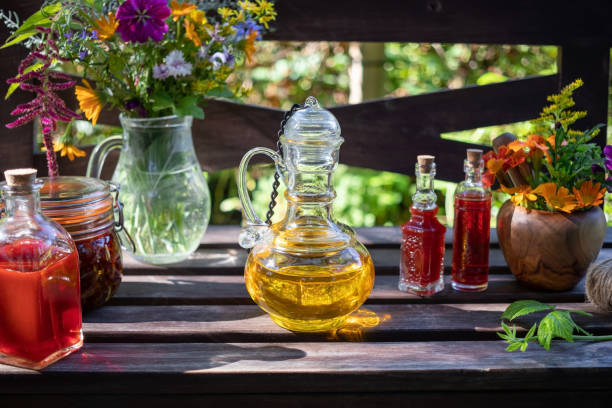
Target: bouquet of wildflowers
{"type": "Point", "coordinates": [556, 168]}
{"type": "Point", "coordinates": [147, 58]}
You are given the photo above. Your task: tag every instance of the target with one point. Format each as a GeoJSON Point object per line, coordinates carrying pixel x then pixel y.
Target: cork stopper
{"type": "Point", "coordinates": [425, 162]}
{"type": "Point", "coordinates": [20, 177]}
{"type": "Point", "coordinates": [474, 156]}
{"type": "Point", "coordinates": [502, 140]}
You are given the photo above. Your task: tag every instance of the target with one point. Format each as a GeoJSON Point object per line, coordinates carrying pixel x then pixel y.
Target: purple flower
{"type": "Point", "coordinates": [222, 58]}
{"type": "Point", "coordinates": [136, 105]}
{"type": "Point", "coordinates": [140, 20]}
{"type": "Point", "coordinates": [94, 34]}
{"type": "Point", "coordinates": [160, 71]}
{"type": "Point", "coordinates": [608, 153]}
{"type": "Point", "coordinates": [243, 29]}
{"type": "Point", "coordinates": [596, 168]}
{"type": "Point", "coordinates": [176, 64]}
{"type": "Point", "coordinates": [82, 54]}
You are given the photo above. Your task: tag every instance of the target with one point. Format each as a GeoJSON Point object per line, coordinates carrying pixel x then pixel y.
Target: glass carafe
{"type": "Point", "coordinates": [306, 271]}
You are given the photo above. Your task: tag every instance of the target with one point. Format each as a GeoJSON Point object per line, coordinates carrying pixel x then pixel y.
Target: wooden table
{"type": "Point", "coordinates": [189, 334]}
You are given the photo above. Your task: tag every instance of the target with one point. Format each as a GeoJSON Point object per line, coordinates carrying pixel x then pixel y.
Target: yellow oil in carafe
{"type": "Point", "coordinates": [309, 292]}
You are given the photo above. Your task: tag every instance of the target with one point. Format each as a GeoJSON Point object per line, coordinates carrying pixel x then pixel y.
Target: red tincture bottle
{"type": "Point", "coordinates": [422, 250]}
{"type": "Point", "coordinates": [470, 268]}
{"type": "Point", "coordinates": [40, 302]}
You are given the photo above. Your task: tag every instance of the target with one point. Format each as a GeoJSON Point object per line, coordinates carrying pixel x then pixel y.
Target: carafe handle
{"type": "Point", "coordinates": [100, 153]}
{"type": "Point", "coordinates": [255, 229]}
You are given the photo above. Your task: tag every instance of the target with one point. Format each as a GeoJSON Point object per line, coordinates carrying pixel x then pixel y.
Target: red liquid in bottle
{"type": "Point", "coordinates": [470, 270]}
{"type": "Point", "coordinates": [422, 253]}
{"type": "Point", "coordinates": [40, 304]}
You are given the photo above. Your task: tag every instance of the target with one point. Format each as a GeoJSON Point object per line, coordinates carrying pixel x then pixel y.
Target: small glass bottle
{"type": "Point", "coordinates": [470, 268]}
{"type": "Point", "coordinates": [40, 300]}
{"type": "Point", "coordinates": [422, 250]}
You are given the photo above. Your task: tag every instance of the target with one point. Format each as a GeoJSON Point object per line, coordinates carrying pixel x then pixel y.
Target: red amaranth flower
{"type": "Point", "coordinates": [46, 106]}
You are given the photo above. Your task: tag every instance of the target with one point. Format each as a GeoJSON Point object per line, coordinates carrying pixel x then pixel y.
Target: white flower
{"type": "Point", "coordinates": [176, 64]}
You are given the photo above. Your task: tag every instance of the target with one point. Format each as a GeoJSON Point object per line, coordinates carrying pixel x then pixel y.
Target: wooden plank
{"type": "Point", "coordinates": [16, 145]}
{"type": "Point", "coordinates": [231, 261]}
{"type": "Point", "coordinates": [470, 21]}
{"type": "Point", "coordinates": [460, 399]}
{"type": "Point", "coordinates": [241, 324]}
{"type": "Point", "coordinates": [402, 127]}
{"type": "Point", "coordinates": [316, 367]}
{"type": "Point", "coordinates": [230, 290]}
{"type": "Point", "coordinates": [591, 62]}
{"type": "Point", "coordinates": [226, 236]}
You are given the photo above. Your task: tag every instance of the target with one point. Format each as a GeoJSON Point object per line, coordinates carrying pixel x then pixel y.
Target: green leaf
{"type": "Point", "coordinates": [513, 346]}
{"type": "Point", "coordinates": [188, 106]}
{"type": "Point", "coordinates": [221, 92]}
{"type": "Point", "coordinates": [524, 307]}
{"type": "Point", "coordinates": [557, 323]}
{"type": "Point", "coordinates": [531, 331]}
{"type": "Point", "coordinates": [40, 18]}
{"type": "Point", "coordinates": [19, 38]}
{"type": "Point", "coordinates": [524, 346]}
{"type": "Point", "coordinates": [13, 87]}
{"type": "Point", "coordinates": [490, 78]}
{"type": "Point", "coordinates": [161, 101]}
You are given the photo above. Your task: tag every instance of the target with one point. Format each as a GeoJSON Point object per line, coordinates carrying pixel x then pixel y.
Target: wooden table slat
{"type": "Point", "coordinates": [249, 323]}
{"type": "Point", "coordinates": [230, 290]}
{"type": "Point", "coordinates": [316, 367]}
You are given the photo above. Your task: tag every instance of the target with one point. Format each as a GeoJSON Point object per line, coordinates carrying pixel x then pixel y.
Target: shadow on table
{"type": "Point", "coordinates": [164, 358]}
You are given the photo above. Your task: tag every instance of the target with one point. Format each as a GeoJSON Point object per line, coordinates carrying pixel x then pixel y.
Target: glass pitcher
{"type": "Point", "coordinates": [308, 272]}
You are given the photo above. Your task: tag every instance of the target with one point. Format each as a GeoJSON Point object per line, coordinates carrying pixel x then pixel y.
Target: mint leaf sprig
{"type": "Point", "coordinates": [558, 323]}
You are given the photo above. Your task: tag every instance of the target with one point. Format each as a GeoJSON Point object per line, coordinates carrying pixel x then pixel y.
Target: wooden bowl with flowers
{"type": "Point", "coordinates": [551, 228]}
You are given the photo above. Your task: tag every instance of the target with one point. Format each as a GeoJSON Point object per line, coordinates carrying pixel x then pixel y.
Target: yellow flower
{"type": "Point", "coordinates": [249, 48]}
{"type": "Point", "coordinates": [181, 9]}
{"type": "Point", "coordinates": [265, 12]}
{"type": "Point", "coordinates": [106, 26]}
{"type": "Point", "coordinates": [191, 34]}
{"type": "Point", "coordinates": [226, 13]}
{"type": "Point", "coordinates": [89, 101]}
{"type": "Point", "coordinates": [67, 149]}
{"type": "Point", "coordinates": [589, 194]}
{"type": "Point", "coordinates": [557, 199]}
{"type": "Point", "coordinates": [198, 17]}
{"type": "Point", "coordinates": [247, 5]}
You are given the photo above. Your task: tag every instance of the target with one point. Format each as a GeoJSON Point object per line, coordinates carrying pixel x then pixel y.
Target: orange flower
{"type": "Point", "coordinates": [557, 199]}
{"type": "Point", "coordinates": [191, 33]}
{"type": "Point", "coordinates": [520, 195]}
{"type": "Point", "coordinates": [89, 101]}
{"type": "Point", "coordinates": [106, 26]}
{"type": "Point", "coordinates": [181, 9]}
{"type": "Point", "coordinates": [249, 48]}
{"type": "Point", "coordinates": [589, 194]}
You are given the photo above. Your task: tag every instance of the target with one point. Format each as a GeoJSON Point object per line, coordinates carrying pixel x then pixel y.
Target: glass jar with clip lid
{"type": "Point", "coordinates": [90, 211]}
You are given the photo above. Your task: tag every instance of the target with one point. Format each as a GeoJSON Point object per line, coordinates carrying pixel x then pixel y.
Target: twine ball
{"type": "Point", "coordinates": [599, 284]}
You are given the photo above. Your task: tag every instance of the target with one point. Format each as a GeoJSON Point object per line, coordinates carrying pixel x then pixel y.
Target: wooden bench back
{"type": "Point", "coordinates": [386, 134]}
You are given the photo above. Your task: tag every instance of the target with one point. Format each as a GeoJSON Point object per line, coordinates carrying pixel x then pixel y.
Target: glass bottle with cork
{"type": "Point", "coordinates": [40, 301]}
{"type": "Point", "coordinates": [470, 266]}
{"type": "Point", "coordinates": [422, 249]}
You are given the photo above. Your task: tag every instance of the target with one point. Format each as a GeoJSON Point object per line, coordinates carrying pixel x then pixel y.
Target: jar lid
{"type": "Point", "coordinates": [312, 125]}
{"type": "Point", "coordinates": [79, 204]}
{"type": "Point", "coordinates": [72, 190]}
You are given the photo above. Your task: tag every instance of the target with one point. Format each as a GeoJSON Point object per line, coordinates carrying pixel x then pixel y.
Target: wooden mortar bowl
{"type": "Point", "coordinates": [549, 250]}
